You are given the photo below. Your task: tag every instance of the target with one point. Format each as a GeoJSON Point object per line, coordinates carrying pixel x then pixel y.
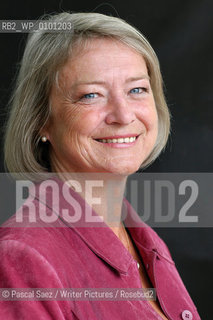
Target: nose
{"type": "Point", "coordinates": [120, 111]}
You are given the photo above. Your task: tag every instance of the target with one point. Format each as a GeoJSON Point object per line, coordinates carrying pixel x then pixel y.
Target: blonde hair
{"type": "Point", "coordinates": [45, 53]}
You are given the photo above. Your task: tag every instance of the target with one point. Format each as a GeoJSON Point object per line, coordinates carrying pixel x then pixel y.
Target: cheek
{"type": "Point", "coordinates": [65, 123]}
{"type": "Point", "coordinates": [71, 117]}
{"type": "Point", "coordinates": [78, 122]}
{"type": "Point", "coordinates": [149, 117]}
{"type": "Point", "coordinates": [153, 125]}
{"type": "Point", "coordinates": [154, 119]}
{"type": "Point", "coordinates": [86, 121]}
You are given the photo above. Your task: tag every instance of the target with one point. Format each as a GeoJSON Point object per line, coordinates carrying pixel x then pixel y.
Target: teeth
{"type": "Point", "coordinates": [120, 140]}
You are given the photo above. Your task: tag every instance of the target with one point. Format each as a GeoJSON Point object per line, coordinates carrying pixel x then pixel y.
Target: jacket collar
{"type": "Point", "coordinates": [97, 235]}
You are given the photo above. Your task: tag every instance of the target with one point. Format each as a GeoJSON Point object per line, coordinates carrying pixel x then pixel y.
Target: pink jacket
{"type": "Point", "coordinates": [63, 255]}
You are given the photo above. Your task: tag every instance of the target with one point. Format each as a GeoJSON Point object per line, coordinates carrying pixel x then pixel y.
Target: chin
{"type": "Point", "coordinates": [124, 170]}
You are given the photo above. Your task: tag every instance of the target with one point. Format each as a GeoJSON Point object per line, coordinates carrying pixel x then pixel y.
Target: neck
{"type": "Point", "coordinates": [103, 192]}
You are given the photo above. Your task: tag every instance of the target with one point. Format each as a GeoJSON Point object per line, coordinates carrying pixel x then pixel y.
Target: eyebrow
{"type": "Point", "coordinates": [131, 79]}
{"type": "Point", "coordinates": [144, 76]}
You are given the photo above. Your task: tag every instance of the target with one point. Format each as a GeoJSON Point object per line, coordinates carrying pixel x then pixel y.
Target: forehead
{"type": "Point", "coordinates": [101, 56]}
{"type": "Point", "coordinates": [108, 46]}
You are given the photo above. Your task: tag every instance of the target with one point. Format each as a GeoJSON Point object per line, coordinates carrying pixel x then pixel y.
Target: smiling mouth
{"type": "Point", "coordinates": [118, 140]}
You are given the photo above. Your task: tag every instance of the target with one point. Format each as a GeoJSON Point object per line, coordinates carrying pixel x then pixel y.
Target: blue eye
{"type": "Point", "coordinates": [137, 90]}
{"type": "Point", "coordinates": [90, 95]}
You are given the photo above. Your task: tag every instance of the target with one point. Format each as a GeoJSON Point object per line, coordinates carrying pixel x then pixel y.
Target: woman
{"type": "Point", "coordinates": [88, 107]}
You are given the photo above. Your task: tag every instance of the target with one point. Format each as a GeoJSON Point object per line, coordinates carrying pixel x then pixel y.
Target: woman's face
{"type": "Point", "coordinates": [103, 117]}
